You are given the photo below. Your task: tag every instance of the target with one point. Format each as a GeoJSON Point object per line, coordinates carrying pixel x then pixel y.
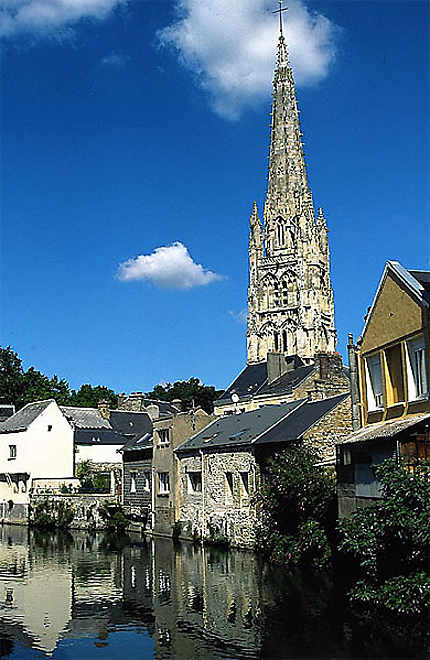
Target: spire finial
{"type": "Point", "coordinates": [279, 11]}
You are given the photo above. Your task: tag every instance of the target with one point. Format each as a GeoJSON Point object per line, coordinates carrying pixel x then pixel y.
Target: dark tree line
{"type": "Point", "coordinates": [19, 387]}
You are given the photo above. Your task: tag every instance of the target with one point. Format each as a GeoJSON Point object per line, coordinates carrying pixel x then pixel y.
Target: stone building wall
{"type": "Point", "coordinates": [218, 511]}
{"type": "Point", "coordinates": [334, 426]}
{"type": "Point", "coordinates": [141, 499]}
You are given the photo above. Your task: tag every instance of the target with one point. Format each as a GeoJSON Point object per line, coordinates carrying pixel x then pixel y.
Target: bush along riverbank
{"type": "Point", "coordinates": [380, 553]}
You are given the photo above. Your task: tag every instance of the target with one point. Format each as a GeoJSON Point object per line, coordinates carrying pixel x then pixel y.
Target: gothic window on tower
{"type": "Point", "coordinates": [280, 232]}
{"type": "Point", "coordinates": [284, 342]}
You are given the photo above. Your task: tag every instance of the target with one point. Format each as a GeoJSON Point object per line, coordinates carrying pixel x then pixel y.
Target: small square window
{"type": "Point", "coordinates": [49, 427]}
{"type": "Point", "coordinates": [12, 451]}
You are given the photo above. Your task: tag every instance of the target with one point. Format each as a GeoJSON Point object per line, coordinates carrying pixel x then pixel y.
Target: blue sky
{"type": "Point", "coordinates": [133, 126]}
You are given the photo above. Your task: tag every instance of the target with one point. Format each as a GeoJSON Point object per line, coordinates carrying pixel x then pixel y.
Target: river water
{"type": "Point", "coordinates": [84, 596]}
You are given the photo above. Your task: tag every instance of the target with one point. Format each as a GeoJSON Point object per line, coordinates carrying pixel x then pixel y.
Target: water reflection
{"type": "Point", "coordinates": [155, 600]}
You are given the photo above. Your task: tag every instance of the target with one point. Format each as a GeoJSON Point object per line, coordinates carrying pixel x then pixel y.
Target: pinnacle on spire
{"type": "Point", "coordinates": [279, 11]}
{"type": "Point", "coordinates": [282, 58]}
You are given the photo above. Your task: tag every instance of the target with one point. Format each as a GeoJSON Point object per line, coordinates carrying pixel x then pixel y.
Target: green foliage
{"type": "Point", "coordinates": [88, 396]}
{"type": "Point", "coordinates": [113, 518]}
{"type": "Point", "coordinates": [11, 375]}
{"type": "Point", "coordinates": [51, 514]}
{"type": "Point", "coordinates": [296, 503]}
{"type": "Point", "coordinates": [389, 543]}
{"type": "Point", "coordinates": [92, 481]}
{"type": "Point", "coordinates": [20, 387]}
{"type": "Point", "coordinates": [187, 390]}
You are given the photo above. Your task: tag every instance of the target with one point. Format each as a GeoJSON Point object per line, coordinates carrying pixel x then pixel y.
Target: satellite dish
{"type": "Point", "coordinates": [234, 398]}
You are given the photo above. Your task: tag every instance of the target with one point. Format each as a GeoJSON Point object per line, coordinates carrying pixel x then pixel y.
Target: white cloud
{"type": "Point", "coordinates": [240, 317]}
{"type": "Point", "coordinates": [230, 47]}
{"type": "Point", "coordinates": [115, 60]}
{"type": "Point", "coordinates": [46, 16]}
{"type": "Point", "coordinates": [170, 266]}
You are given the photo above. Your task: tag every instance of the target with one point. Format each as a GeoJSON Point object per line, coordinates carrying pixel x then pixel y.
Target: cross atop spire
{"type": "Point", "coordinates": [279, 11]}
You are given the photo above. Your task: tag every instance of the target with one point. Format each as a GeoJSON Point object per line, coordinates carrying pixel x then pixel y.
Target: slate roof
{"type": "Point", "coordinates": [301, 420]}
{"type": "Point", "coordinates": [165, 407]}
{"type": "Point", "coordinates": [6, 411]}
{"type": "Point", "coordinates": [85, 418]}
{"type": "Point", "coordinates": [142, 442]}
{"type": "Point", "coordinates": [384, 430]}
{"type": "Point", "coordinates": [253, 381]}
{"type": "Point", "coordinates": [101, 436]}
{"type": "Point", "coordinates": [269, 424]}
{"type": "Point", "coordinates": [22, 419]}
{"type": "Point", "coordinates": [423, 277]}
{"type": "Point", "coordinates": [128, 423]}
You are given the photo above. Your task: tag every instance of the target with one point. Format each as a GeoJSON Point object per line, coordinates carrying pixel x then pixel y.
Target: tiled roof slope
{"type": "Point", "coordinates": [22, 419]}
{"type": "Point", "coordinates": [241, 429]}
{"type": "Point", "coordinates": [253, 381]}
{"type": "Point", "coordinates": [423, 277]}
{"type": "Point", "coordinates": [301, 420]}
{"type": "Point", "coordinates": [269, 424]}
{"type": "Point", "coordinates": [384, 429]}
{"type": "Point", "coordinates": [128, 423]}
{"type": "Point", "coordinates": [85, 418]}
{"type": "Point", "coordinates": [140, 442]}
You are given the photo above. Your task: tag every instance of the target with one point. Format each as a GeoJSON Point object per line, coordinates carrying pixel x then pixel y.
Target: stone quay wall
{"type": "Point", "coordinates": [85, 507]}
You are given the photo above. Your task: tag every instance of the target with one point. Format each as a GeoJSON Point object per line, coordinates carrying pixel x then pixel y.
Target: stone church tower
{"type": "Point", "coordinates": [290, 297]}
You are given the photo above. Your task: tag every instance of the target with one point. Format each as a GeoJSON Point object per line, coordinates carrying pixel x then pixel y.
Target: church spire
{"type": "Point", "coordinates": [290, 298]}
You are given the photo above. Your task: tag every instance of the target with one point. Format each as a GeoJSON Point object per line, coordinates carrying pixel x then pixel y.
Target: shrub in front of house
{"type": "Point", "coordinates": [387, 545]}
{"type": "Point", "coordinates": [296, 507]}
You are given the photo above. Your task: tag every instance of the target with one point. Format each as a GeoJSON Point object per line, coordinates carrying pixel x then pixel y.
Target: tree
{"type": "Point", "coordinates": [38, 387]}
{"type": "Point", "coordinates": [295, 505]}
{"type": "Point", "coordinates": [11, 377]}
{"type": "Point", "coordinates": [390, 541]}
{"type": "Point", "coordinates": [187, 391]}
{"type": "Point", "coordinates": [88, 396]}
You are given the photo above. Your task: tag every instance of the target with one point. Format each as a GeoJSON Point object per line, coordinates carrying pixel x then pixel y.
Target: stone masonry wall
{"type": "Point", "coordinates": [218, 510]}
{"type": "Point", "coordinates": [85, 507]}
{"type": "Point", "coordinates": [330, 429]}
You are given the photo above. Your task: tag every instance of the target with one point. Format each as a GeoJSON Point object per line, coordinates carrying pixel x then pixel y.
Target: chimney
{"type": "Point", "coordinates": [103, 407]}
{"type": "Point", "coordinates": [177, 403]}
{"type": "Point", "coordinates": [153, 411]}
{"type": "Point", "coordinates": [278, 365]}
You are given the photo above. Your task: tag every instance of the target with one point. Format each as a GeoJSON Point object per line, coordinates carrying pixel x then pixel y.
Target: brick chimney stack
{"type": "Point", "coordinates": [103, 407]}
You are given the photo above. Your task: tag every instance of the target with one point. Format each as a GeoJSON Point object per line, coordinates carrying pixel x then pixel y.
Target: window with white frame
{"type": "Point", "coordinates": [163, 483]}
{"type": "Point", "coordinates": [375, 396]}
{"type": "Point", "coordinates": [133, 482]}
{"type": "Point", "coordinates": [416, 367]}
{"type": "Point", "coordinates": [164, 435]}
{"type": "Point", "coordinates": [194, 482]}
{"type": "Point", "coordinates": [147, 480]}
{"type": "Point", "coordinates": [12, 451]}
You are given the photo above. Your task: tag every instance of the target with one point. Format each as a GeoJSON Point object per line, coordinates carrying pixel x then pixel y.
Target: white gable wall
{"type": "Point", "coordinates": [39, 452]}
{"type": "Point", "coordinates": [98, 453]}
